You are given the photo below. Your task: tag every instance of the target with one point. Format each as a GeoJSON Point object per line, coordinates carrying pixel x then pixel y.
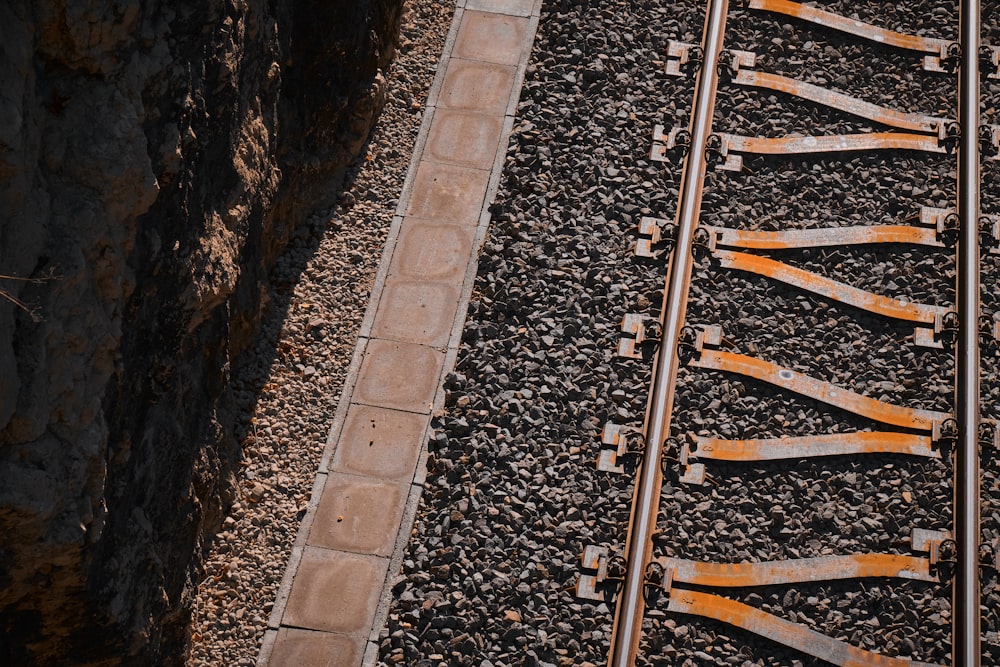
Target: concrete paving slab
{"type": "Point", "coordinates": [474, 86]}
{"type": "Point", "coordinates": [448, 193]}
{"type": "Point", "coordinates": [398, 375]}
{"type": "Point", "coordinates": [358, 514]}
{"type": "Point", "coordinates": [491, 37]}
{"type": "Point", "coordinates": [433, 251]}
{"type": "Point", "coordinates": [380, 443]}
{"type": "Point", "coordinates": [335, 591]}
{"type": "Point", "coordinates": [463, 138]}
{"type": "Point", "coordinates": [416, 312]}
{"type": "Point", "coordinates": [308, 648]}
{"type": "Point", "coordinates": [512, 7]}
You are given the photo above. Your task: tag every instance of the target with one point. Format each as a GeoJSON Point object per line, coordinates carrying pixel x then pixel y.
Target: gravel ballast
{"type": "Point", "coordinates": [289, 384]}
{"type": "Point", "coordinates": [512, 493]}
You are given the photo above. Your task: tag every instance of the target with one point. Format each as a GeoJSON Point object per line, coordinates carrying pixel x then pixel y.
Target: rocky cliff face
{"type": "Point", "coordinates": [154, 157]}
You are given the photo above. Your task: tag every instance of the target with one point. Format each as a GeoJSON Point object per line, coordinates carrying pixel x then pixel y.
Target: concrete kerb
{"type": "Point", "coordinates": [458, 325]}
{"type": "Point", "coordinates": [302, 537]}
{"type": "Point", "coordinates": [428, 116]}
{"type": "Point", "coordinates": [378, 285]}
{"type": "Point", "coordinates": [392, 576]}
{"type": "Point", "coordinates": [522, 68]}
{"type": "Point", "coordinates": [284, 589]}
{"type": "Point", "coordinates": [481, 234]}
{"type": "Point", "coordinates": [266, 647]}
{"type": "Point", "coordinates": [411, 172]}
{"type": "Point", "coordinates": [434, 94]}
{"type": "Point", "coordinates": [344, 402]}
{"type": "Point", "coordinates": [489, 6]}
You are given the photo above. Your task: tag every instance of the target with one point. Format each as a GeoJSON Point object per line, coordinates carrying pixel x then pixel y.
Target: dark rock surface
{"type": "Point", "coordinates": [154, 158]}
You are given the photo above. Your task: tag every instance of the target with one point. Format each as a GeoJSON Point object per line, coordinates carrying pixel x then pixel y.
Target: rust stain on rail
{"type": "Point", "coordinates": [778, 629]}
{"type": "Point", "coordinates": [828, 393]}
{"type": "Point", "coordinates": [851, 26]}
{"type": "Point", "coordinates": [832, 236]}
{"type": "Point", "coordinates": [832, 444]}
{"type": "Point", "coordinates": [901, 120]}
{"type": "Point", "coordinates": [799, 570]}
{"type": "Point", "coordinates": [874, 303]}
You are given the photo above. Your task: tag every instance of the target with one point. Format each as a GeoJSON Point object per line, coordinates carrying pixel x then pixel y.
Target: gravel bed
{"type": "Point", "coordinates": [288, 385]}
{"type": "Point", "coordinates": [512, 493]}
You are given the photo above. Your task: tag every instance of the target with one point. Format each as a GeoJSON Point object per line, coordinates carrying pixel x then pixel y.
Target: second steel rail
{"type": "Point", "coordinates": [966, 650]}
{"type": "Point", "coordinates": [646, 497]}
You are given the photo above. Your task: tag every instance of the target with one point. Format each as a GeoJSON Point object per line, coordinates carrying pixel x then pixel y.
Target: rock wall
{"type": "Point", "coordinates": [155, 156]}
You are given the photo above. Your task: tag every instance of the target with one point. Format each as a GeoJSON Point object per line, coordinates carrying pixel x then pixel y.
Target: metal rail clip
{"type": "Point", "coordinates": [656, 236]}
{"type": "Point", "coordinates": [639, 330]}
{"type": "Point", "coordinates": [936, 544]}
{"type": "Point", "coordinates": [989, 141]}
{"type": "Point", "coordinates": [944, 221]}
{"type": "Point", "coordinates": [989, 233]}
{"type": "Point", "coordinates": [601, 571]}
{"type": "Point", "coordinates": [682, 58]}
{"type": "Point", "coordinates": [618, 441]}
{"type": "Point", "coordinates": [989, 56]}
{"type": "Point", "coordinates": [677, 139]}
{"type": "Point", "coordinates": [989, 436]}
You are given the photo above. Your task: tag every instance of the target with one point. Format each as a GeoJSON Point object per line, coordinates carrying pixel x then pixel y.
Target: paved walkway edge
{"type": "Point", "coordinates": [326, 617]}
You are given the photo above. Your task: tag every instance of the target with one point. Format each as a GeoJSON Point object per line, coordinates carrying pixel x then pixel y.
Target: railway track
{"type": "Point", "coordinates": [705, 359]}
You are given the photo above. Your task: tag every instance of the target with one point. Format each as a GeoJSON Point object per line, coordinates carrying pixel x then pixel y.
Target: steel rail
{"type": "Point", "coordinates": [966, 650]}
{"type": "Point", "coordinates": [646, 495]}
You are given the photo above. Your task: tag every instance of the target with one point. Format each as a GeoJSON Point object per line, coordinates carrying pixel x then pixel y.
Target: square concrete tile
{"type": "Point", "coordinates": [380, 443]}
{"type": "Point", "coordinates": [492, 38]}
{"type": "Point", "coordinates": [335, 591]}
{"type": "Point", "coordinates": [463, 138]}
{"type": "Point", "coordinates": [307, 648]}
{"type": "Point", "coordinates": [475, 86]}
{"type": "Point", "coordinates": [358, 514]}
{"type": "Point", "coordinates": [417, 312]}
{"type": "Point", "coordinates": [512, 7]}
{"type": "Point", "coordinates": [399, 375]}
{"type": "Point", "coordinates": [448, 193]}
{"type": "Point", "coordinates": [432, 251]}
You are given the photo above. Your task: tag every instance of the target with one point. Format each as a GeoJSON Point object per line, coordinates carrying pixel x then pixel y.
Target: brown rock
{"type": "Point", "coordinates": [154, 158]}
{"type": "Point", "coordinates": [512, 616]}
